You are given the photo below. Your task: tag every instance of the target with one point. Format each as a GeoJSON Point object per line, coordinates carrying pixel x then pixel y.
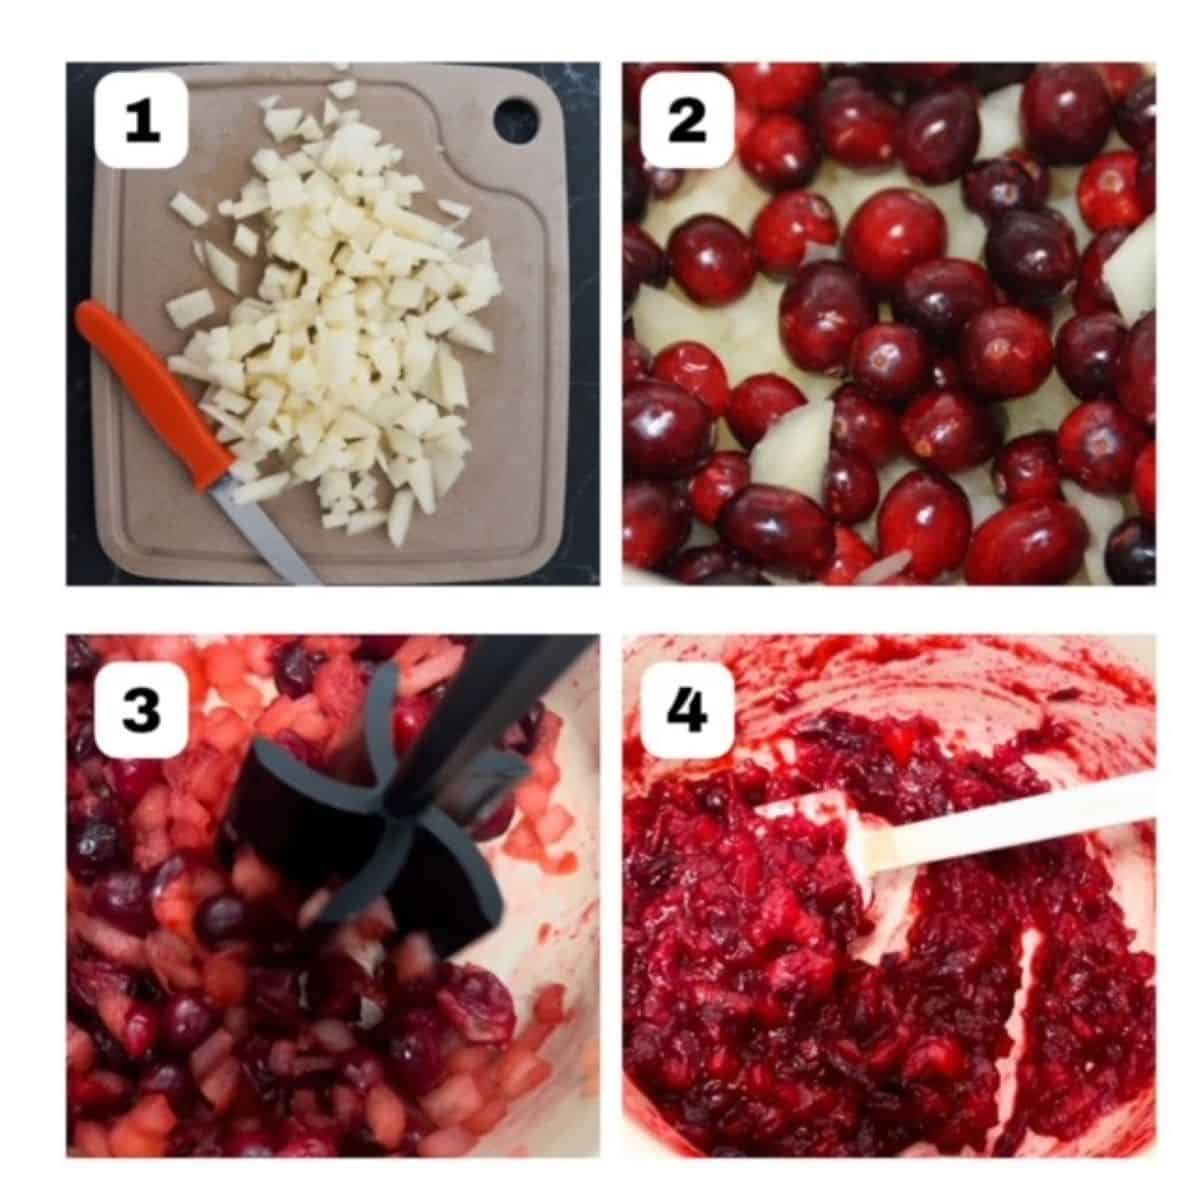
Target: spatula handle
{"type": "Point", "coordinates": [1118, 801]}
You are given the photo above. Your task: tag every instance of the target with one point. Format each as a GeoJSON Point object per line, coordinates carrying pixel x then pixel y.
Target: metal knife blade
{"type": "Point", "coordinates": [264, 535]}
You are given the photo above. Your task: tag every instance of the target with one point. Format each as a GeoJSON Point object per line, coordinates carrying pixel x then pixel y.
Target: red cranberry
{"type": "Point", "coordinates": [1130, 555]}
{"type": "Point", "coordinates": [920, 76]}
{"type": "Point", "coordinates": [1030, 542]}
{"type": "Point", "coordinates": [409, 719]}
{"type": "Point", "coordinates": [857, 127]}
{"type": "Point", "coordinates": [939, 135]}
{"type": "Point", "coordinates": [1147, 186]}
{"type": "Point", "coordinates": [1092, 294]}
{"type": "Point", "coordinates": [851, 488]}
{"type": "Point", "coordinates": [417, 1061]}
{"type": "Point", "coordinates": [122, 899]}
{"type": "Point", "coordinates": [994, 186]}
{"type": "Point", "coordinates": [787, 227]}
{"type": "Point", "coordinates": [890, 232]}
{"type": "Point", "coordinates": [717, 482]}
{"type": "Point", "coordinates": [172, 1081]}
{"type": "Point", "coordinates": [695, 368]}
{"type": "Point", "coordinates": [941, 295]}
{"type": "Point", "coordinates": [654, 523]}
{"type": "Point", "coordinates": [1145, 481]}
{"type": "Point", "coordinates": [94, 848]}
{"type": "Point", "coordinates": [496, 823]}
{"type": "Point", "coordinates": [636, 361]}
{"type": "Point", "coordinates": [1108, 192]}
{"type": "Point", "coordinates": [1032, 256]}
{"type": "Point", "coordinates": [1027, 469]}
{"type": "Point", "coordinates": [821, 312]}
{"type": "Point", "coordinates": [991, 77]}
{"type": "Point", "coordinates": [890, 362]}
{"type": "Point", "coordinates": [132, 778]}
{"type": "Point", "coordinates": [945, 372]}
{"type": "Point", "coordinates": [776, 87]}
{"type": "Point", "coordinates": [860, 426]}
{"type": "Point", "coordinates": [249, 1143]}
{"type": "Point", "coordinates": [668, 432]}
{"type": "Point", "coordinates": [379, 647]}
{"type": "Point", "coordinates": [1086, 353]}
{"type": "Point", "coordinates": [1006, 352]}
{"type": "Point", "coordinates": [82, 660]}
{"type": "Point", "coordinates": [1121, 78]}
{"type": "Point", "coordinates": [642, 261]}
{"type": "Point", "coordinates": [294, 670]}
{"type": "Point", "coordinates": [1066, 112]}
{"type": "Point", "coordinates": [851, 556]}
{"type": "Point", "coordinates": [1137, 373]}
{"type": "Point", "coordinates": [1098, 444]}
{"type": "Point", "coordinates": [950, 430]}
{"type": "Point", "coordinates": [335, 985]}
{"type": "Point", "coordinates": [780, 529]}
{"type": "Point", "coordinates": [1137, 114]}
{"type": "Point", "coordinates": [712, 260]}
{"type": "Point", "coordinates": [714, 566]}
{"type": "Point", "coordinates": [635, 191]}
{"type": "Point", "coordinates": [928, 514]}
{"type": "Point", "coordinates": [780, 152]}
{"type": "Point", "coordinates": [222, 918]}
{"type": "Point", "coordinates": [757, 403]}
{"type": "Point", "coordinates": [187, 1019]}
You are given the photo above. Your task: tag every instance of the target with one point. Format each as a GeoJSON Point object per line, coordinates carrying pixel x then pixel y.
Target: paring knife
{"type": "Point", "coordinates": [175, 418]}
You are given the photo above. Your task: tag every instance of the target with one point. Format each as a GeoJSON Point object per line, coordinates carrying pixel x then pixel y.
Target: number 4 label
{"type": "Point", "coordinates": [687, 119]}
{"type": "Point", "coordinates": [141, 709]}
{"type": "Point", "coordinates": [687, 710]}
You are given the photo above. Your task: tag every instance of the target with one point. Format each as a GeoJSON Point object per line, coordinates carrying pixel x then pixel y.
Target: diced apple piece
{"type": "Point", "coordinates": [191, 307]}
{"type": "Point", "coordinates": [183, 205]}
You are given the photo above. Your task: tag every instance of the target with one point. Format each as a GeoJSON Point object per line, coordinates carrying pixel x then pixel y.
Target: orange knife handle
{"type": "Point", "coordinates": [157, 392]}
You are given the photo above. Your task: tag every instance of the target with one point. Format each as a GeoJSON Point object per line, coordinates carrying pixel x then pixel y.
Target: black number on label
{"type": "Point", "coordinates": [686, 130]}
{"type": "Point", "coordinates": [142, 132]}
{"type": "Point", "coordinates": [688, 709]}
{"type": "Point", "coordinates": [148, 718]}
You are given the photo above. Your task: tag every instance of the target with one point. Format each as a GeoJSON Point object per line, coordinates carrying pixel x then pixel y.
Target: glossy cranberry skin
{"type": "Point", "coordinates": [757, 403]}
{"type": "Point", "coordinates": [927, 513]}
{"type": "Point", "coordinates": [779, 528]}
{"type": "Point", "coordinates": [1032, 256]}
{"type": "Point", "coordinates": [122, 899]}
{"type": "Point", "coordinates": [1145, 481]}
{"type": "Point", "coordinates": [939, 135]}
{"type": "Point", "coordinates": [712, 260]}
{"type": "Point", "coordinates": [857, 127]}
{"type": "Point", "coordinates": [1092, 294]}
{"type": "Point", "coordinates": [636, 361]}
{"type": "Point", "coordinates": [1137, 114]}
{"type": "Point", "coordinates": [95, 847]}
{"type": "Point", "coordinates": [780, 152]}
{"type": "Point", "coordinates": [635, 191]}
{"type": "Point", "coordinates": [851, 489]}
{"type": "Point", "coordinates": [1066, 113]}
{"type": "Point", "coordinates": [851, 556]}
{"type": "Point", "coordinates": [1107, 191]}
{"type": "Point", "coordinates": [1121, 78]}
{"type": "Point", "coordinates": [890, 362]}
{"type": "Point", "coordinates": [695, 368]}
{"type": "Point", "coordinates": [1027, 469]}
{"type": "Point", "coordinates": [863, 427]}
{"type": "Point", "coordinates": [945, 372]}
{"type": "Point", "coordinates": [990, 77]}
{"type": "Point", "coordinates": [1006, 352]}
{"type": "Point", "coordinates": [294, 668]}
{"type": "Point", "coordinates": [132, 778]}
{"type": "Point", "coordinates": [788, 227]}
{"type": "Point", "coordinates": [950, 430]}
{"type": "Point", "coordinates": [82, 660]}
{"type": "Point", "coordinates": [1031, 542]}
{"type": "Point", "coordinates": [1147, 185]}
{"type": "Point", "coordinates": [1036, 170]}
{"type": "Point", "coordinates": [173, 1081]}
{"type": "Point", "coordinates": [1086, 352]}
{"type": "Point", "coordinates": [994, 186]}
{"type": "Point", "coordinates": [1098, 444]}
{"type": "Point", "coordinates": [717, 482]}
{"type": "Point", "coordinates": [776, 87]}
{"type": "Point", "coordinates": [821, 312]}
{"type": "Point", "coordinates": [1130, 556]}
{"type": "Point", "coordinates": [1137, 371]}
{"type": "Point", "coordinates": [714, 566]}
{"type": "Point", "coordinates": [668, 432]}
{"type": "Point", "coordinates": [187, 1019]}
{"type": "Point", "coordinates": [890, 232]}
{"type": "Point", "coordinates": [222, 918]}
{"type": "Point", "coordinates": [941, 295]}
{"type": "Point", "coordinates": [654, 523]}
{"type": "Point", "coordinates": [642, 261]}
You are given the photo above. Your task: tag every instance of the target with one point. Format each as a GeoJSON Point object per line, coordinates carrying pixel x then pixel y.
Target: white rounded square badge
{"type": "Point", "coordinates": [687, 119]}
{"type": "Point", "coordinates": [687, 710]}
{"type": "Point", "coordinates": [141, 709]}
{"type": "Point", "coordinates": [141, 120]}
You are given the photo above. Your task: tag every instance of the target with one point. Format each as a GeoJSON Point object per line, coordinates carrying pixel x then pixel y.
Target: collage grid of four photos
{"type": "Point", "coordinates": [347, 894]}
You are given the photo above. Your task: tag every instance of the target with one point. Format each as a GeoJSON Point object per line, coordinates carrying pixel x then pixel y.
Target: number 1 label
{"type": "Point", "coordinates": [686, 119]}
{"type": "Point", "coordinates": [687, 710]}
{"type": "Point", "coordinates": [141, 709]}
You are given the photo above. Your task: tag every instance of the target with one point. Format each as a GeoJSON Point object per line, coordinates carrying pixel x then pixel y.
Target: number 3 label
{"type": "Point", "coordinates": [141, 710]}
{"type": "Point", "coordinates": [687, 710]}
{"type": "Point", "coordinates": [687, 119]}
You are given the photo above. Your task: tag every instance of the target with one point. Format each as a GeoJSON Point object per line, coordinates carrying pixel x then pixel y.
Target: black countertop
{"type": "Point", "coordinates": [577, 559]}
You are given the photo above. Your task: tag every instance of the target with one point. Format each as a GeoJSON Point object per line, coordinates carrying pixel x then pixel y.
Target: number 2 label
{"type": "Point", "coordinates": [141, 709]}
{"type": "Point", "coordinates": [686, 119]}
{"type": "Point", "coordinates": [687, 710]}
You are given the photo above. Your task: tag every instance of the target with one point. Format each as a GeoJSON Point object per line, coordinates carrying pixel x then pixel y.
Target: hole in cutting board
{"type": "Point", "coordinates": [516, 121]}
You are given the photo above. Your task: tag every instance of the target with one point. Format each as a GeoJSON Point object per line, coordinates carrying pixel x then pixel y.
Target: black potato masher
{"type": "Point", "coordinates": [399, 827]}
